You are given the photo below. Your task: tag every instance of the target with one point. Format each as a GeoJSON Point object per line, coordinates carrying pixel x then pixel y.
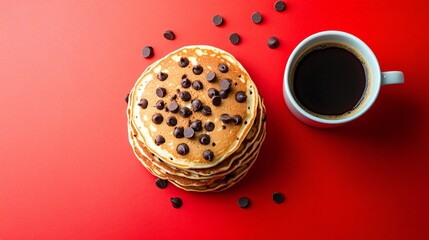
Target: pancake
{"type": "Point", "coordinates": [171, 104]}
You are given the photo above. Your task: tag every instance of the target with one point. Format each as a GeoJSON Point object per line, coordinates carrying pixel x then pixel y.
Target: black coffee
{"type": "Point", "coordinates": [329, 80]}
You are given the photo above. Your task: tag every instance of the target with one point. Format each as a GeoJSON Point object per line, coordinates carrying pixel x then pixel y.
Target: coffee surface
{"type": "Point", "coordinates": [329, 80]}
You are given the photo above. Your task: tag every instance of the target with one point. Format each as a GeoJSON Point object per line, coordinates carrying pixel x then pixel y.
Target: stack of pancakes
{"type": "Point", "coordinates": [196, 119]}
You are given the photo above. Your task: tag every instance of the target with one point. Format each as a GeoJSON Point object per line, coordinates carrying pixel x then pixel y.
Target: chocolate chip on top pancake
{"type": "Point", "coordinates": [190, 111]}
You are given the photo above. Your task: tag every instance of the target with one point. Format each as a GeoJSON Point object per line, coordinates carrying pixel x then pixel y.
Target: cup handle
{"type": "Point", "coordinates": [392, 77]}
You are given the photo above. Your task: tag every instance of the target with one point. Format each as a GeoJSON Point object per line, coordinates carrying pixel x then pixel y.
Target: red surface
{"type": "Point", "coordinates": [67, 170]}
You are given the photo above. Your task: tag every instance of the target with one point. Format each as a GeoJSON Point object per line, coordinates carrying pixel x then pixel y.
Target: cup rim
{"type": "Point", "coordinates": [375, 73]}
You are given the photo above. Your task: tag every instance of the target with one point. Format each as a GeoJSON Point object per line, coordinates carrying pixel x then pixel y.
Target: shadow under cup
{"type": "Point", "coordinates": [306, 64]}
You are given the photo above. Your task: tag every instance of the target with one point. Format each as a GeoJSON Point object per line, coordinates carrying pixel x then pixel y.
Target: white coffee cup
{"type": "Point", "coordinates": [375, 78]}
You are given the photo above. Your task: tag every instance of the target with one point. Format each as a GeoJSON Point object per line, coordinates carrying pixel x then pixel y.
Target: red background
{"type": "Point", "coordinates": [67, 170]}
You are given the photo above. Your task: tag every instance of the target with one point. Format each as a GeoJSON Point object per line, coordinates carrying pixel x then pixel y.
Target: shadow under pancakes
{"type": "Point", "coordinates": [395, 127]}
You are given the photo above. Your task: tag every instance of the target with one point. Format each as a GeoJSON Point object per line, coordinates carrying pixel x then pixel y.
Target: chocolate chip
{"type": "Point", "coordinates": [224, 94]}
{"type": "Point", "coordinates": [173, 107]}
{"type": "Point", "coordinates": [162, 76]}
{"type": "Point", "coordinates": [171, 121]}
{"type": "Point", "coordinates": [234, 38]}
{"type": "Point", "coordinates": [182, 149]}
{"type": "Point", "coordinates": [216, 100]}
{"type": "Point", "coordinates": [240, 96]}
{"type": "Point", "coordinates": [185, 83]}
{"type": "Point", "coordinates": [197, 105]}
{"type": "Point", "coordinates": [217, 20]}
{"type": "Point", "coordinates": [237, 119]}
{"type": "Point", "coordinates": [209, 126]}
{"type": "Point", "coordinates": [206, 111]}
{"type": "Point", "coordinates": [183, 62]}
{"type": "Point", "coordinates": [211, 76]}
{"type": "Point", "coordinates": [197, 125]}
{"type": "Point", "coordinates": [161, 183]}
{"type": "Point", "coordinates": [160, 92]}
{"type": "Point", "coordinates": [147, 52]}
{"type": "Point", "coordinates": [176, 202]}
{"type": "Point", "coordinates": [243, 202]}
{"type": "Point", "coordinates": [256, 18]}
{"type": "Point", "coordinates": [159, 140]}
{"type": "Point", "coordinates": [212, 92]}
{"type": "Point", "coordinates": [197, 69]}
{"type": "Point", "coordinates": [189, 132]}
{"type": "Point", "coordinates": [178, 132]}
{"type": "Point", "coordinates": [204, 139]}
{"type": "Point", "coordinates": [225, 84]}
{"type": "Point", "coordinates": [273, 42]}
{"type": "Point", "coordinates": [157, 118]}
{"type": "Point", "coordinates": [185, 96]}
{"type": "Point", "coordinates": [185, 112]}
{"type": "Point", "coordinates": [169, 35]}
{"type": "Point", "coordinates": [197, 85]}
{"type": "Point", "coordinates": [225, 118]}
{"type": "Point", "coordinates": [127, 97]}
{"type": "Point", "coordinates": [160, 105]}
{"type": "Point", "coordinates": [223, 68]}
{"type": "Point", "coordinates": [278, 197]}
{"type": "Point", "coordinates": [143, 103]}
{"type": "Point", "coordinates": [173, 97]}
{"type": "Point", "coordinates": [280, 6]}
{"type": "Point", "coordinates": [208, 155]}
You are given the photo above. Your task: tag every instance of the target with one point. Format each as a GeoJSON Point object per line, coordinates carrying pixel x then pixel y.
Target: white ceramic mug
{"type": "Point", "coordinates": [373, 72]}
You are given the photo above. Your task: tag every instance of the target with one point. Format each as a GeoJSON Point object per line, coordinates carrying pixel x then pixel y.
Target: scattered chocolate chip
{"type": "Point", "coordinates": [185, 112]}
{"type": "Point", "coordinates": [162, 76]}
{"type": "Point", "coordinates": [160, 105]}
{"type": "Point", "coordinates": [147, 52]}
{"type": "Point", "coordinates": [243, 202]}
{"type": "Point", "coordinates": [189, 132]}
{"type": "Point", "coordinates": [237, 119]}
{"type": "Point", "coordinates": [209, 126]}
{"type": "Point", "coordinates": [273, 42]}
{"type": "Point", "coordinates": [157, 118]}
{"type": "Point", "coordinates": [171, 121]}
{"type": "Point", "coordinates": [206, 111]}
{"type": "Point", "coordinates": [217, 20]}
{"type": "Point", "coordinates": [161, 183]}
{"type": "Point", "coordinates": [183, 62]}
{"type": "Point", "coordinates": [197, 125]}
{"type": "Point", "coordinates": [185, 96]}
{"type": "Point", "coordinates": [143, 103]}
{"type": "Point", "coordinates": [197, 69]}
{"type": "Point", "coordinates": [185, 83]}
{"type": "Point", "coordinates": [225, 84]}
{"type": "Point", "coordinates": [278, 197]}
{"type": "Point", "coordinates": [197, 85]}
{"type": "Point", "coordinates": [224, 94]}
{"type": "Point", "coordinates": [182, 149]}
{"type": "Point", "coordinates": [173, 97]}
{"type": "Point", "coordinates": [197, 105]}
{"type": "Point", "coordinates": [169, 35]}
{"type": "Point", "coordinates": [159, 140]}
{"type": "Point", "coordinates": [256, 18]}
{"type": "Point", "coordinates": [223, 127]}
{"type": "Point", "coordinates": [240, 96]}
{"type": "Point", "coordinates": [280, 6]}
{"type": "Point", "coordinates": [216, 100]}
{"type": "Point", "coordinates": [160, 92]}
{"type": "Point", "coordinates": [208, 155]}
{"type": "Point", "coordinates": [178, 132]}
{"type": "Point", "coordinates": [211, 76]}
{"type": "Point", "coordinates": [176, 202]}
{"type": "Point", "coordinates": [225, 118]}
{"type": "Point", "coordinates": [234, 38]}
{"type": "Point", "coordinates": [204, 139]}
{"type": "Point", "coordinates": [212, 92]}
{"type": "Point", "coordinates": [245, 122]}
{"type": "Point", "coordinates": [223, 68]}
{"type": "Point", "coordinates": [173, 107]}
{"type": "Point", "coordinates": [213, 144]}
